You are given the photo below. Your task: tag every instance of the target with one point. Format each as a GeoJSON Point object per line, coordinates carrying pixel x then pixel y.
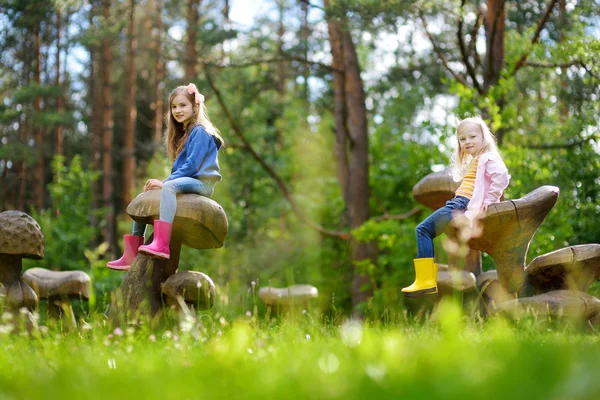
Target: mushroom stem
{"type": "Point", "coordinates": [140, 292]}
{"type": "Point", "coordinates": [60, 309]}
{"type": "Point", "coordinates": [10, 268]}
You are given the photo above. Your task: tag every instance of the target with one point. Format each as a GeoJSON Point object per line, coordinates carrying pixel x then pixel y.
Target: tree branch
{"type": "Point", "coordinates": [568, 145]}
{"type": "Point", "coordinates": [285, 57]}
{"type": "Point", "coordinates": [536, 36]}
{"type": "Point", "coordinates": [441, 55]}
{"type": "Point", "coordinates": [463, 50]}
{"type": "Point", "coordinates": [552, 65]}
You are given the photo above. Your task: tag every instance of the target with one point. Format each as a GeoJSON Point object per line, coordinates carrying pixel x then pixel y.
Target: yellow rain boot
{"type": "Point", "coordinates": [425, 278]}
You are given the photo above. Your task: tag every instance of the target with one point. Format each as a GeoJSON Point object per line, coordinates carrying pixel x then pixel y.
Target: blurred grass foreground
{"type": "Point", "coordinates": [211, 357]}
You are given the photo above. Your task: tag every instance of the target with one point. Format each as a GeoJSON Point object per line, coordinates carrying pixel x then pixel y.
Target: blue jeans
{"type": "Point", "coordinates": [168, 198]}
{"type": "Point", "coordinates": [436, 223]}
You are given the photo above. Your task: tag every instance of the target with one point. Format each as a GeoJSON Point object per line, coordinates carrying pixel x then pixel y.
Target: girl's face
{"type": "Point", "coordinates": [182, 109]}
{"type": "Point", "coordinates": [471, 139]}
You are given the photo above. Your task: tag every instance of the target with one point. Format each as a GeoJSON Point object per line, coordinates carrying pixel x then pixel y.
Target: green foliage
{"type": "Point", "coordinates": [67, 228]}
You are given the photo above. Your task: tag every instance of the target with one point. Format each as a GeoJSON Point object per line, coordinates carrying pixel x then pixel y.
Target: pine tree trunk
{"type": "Point", "coordinates": [131, 111]}
{"type": "Point", "coordinates": [564, 84]}
{"type": "Point", "coordinates": [95, 100]}
{"type": "Point", "coordinates": [159, 68]}
{"type": "Point", "coordinates": [495, 21]}
{"type": "Point", "coordinates": [59, 139]}
{"type": "Point", "coordinates": [191, 52]}
{"type": "Point", "coordinates": [38, 131]}
{"type": "Point", "coordinates": [304, 34]}
{"type": "Point", "coordinates": [348, 88]}
{"type": "Point", "coordinates": [107, 135]}
{"type": "Point", "coordinates": [280, 73]}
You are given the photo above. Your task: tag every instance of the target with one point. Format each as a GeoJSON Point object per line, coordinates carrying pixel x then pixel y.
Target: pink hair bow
{"type": "Point", "coordinates": [192, 89]}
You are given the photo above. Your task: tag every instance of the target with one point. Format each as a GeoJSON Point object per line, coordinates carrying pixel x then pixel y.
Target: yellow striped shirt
{"type": "Point", "coordinates": [468, 183]}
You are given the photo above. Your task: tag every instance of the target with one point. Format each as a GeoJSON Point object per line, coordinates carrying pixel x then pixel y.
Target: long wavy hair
{"type": "Point", "coordinates": [460, 159]}
{"type": "Point", "coordinates": [177, 133]}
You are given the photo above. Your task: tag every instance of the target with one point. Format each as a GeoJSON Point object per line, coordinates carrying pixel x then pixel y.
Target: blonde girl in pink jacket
{"type": "Point", "coordinates": [484, 177]}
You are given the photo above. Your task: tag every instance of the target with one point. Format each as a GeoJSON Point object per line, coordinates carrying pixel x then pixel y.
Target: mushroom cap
{"type": "Point", "coordinates": [287, 296]}
{"type": "Point", "coordinates": [20, 235]}
{"type": "Point", "coordinates": [47, 283]}
{"type": "Point", "coordinates": [435, 189]}
{"type": "Point", "coordinates": [508, 227]}
{"type": "Point", "coordinates": [195, 288]}
{"type": "Point", "coordinates": [450, 281]}
{"type": "Point", "coordinates": [559, 303]}
{"type": "Point", "coordinates": [199, 221]}
{"type": "Point", "coordinates": [512, 223]}
{"type": "Point", "coordinates": [573, 267]}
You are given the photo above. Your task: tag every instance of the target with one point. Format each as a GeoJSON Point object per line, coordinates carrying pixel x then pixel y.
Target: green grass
{"type": "Point", "coordinates": [250, 357]}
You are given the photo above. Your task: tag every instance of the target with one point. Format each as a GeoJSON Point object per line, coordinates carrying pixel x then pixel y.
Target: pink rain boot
{"type": "Point", "coordinates": [130, 252]}
{"type": "Point", "coordinates": [159, 247]}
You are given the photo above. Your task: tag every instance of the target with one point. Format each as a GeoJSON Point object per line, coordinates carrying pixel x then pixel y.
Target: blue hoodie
{"type": "Point", "coordinates": [198, 158]}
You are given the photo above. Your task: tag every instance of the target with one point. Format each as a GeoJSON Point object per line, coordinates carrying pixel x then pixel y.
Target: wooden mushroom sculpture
{"type": "Point", "coordinates": [559, 303]}
{"type": "Point", "coordinates": [433, 191]}
{"type": "Point", "coordinates": [59, 288]}
{"type": "Point", "coordinates": [199, 223]}
{"type": "Point", "coordinates": [574, 268]}
{"type": "Point", "coordinates": [492, 292]}
{"type": "Point", "coordinates": [20, 237]}
{"type": "Point", "coordinates": [507, 229]}
{"type": "Point", "coordinates": [189, 289]}
{"type": "Point", "coordinates": [283, 299]}
{"type": "Point", "coordinates": [450, 281]}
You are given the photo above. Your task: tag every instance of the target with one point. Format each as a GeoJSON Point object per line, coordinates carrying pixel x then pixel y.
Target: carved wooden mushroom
{"type": "Point", "coordinates": [573, 268]}
{"type": "Point", "coordinates": [283, 299]}
{"type": "Point", "coordinates": [508, 227]}
{"type": "Point", "coordinates": [191, 288]}
{"type": "Point", "coordinates": [199, 223]}
{"type": "Point", "coordinates": [20, 237]}
{"type": "Point", "coordinates": [450, 282]}
{"type": "Point", "coordinates": [492, 292]}
{"type": "Point", "coordinates": [559, 303]}
{"type": "Point", "coordinates": [59, 288]}
{"type": "Point", "coordinates": [433, 191]}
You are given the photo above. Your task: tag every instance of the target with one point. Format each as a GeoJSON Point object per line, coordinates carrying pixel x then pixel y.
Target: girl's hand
{"type": "Point", "coordinates": [484, 207]}
{"type": "Point", "coordinates": [152, 184]}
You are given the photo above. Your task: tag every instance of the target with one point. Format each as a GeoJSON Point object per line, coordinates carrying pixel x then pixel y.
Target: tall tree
{"type": "Point", "coordinates": [352, 146]}
{"type": "Point", "coordinates": [59, 138]}
{"type": "Point", "coordinates": [130, 110]}
{"type": "Point", "coordinates": [107, 129]}
{"type": "Point", "coordinates": [159, 72]}
{"type": "Point", "coordinates": [191, 46]}
{"type": "Point", "coordinates": [37, 126]}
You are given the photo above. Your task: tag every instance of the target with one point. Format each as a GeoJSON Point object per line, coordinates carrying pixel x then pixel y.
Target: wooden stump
{"type": "Point", "coordinates": [199, 223]}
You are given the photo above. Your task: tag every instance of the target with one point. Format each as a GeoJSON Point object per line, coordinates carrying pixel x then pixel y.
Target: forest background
{"type": "Point", "coordinates": [331, 111]}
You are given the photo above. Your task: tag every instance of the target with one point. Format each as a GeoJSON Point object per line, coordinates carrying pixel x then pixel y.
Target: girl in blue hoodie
{"type": "Point", "coordinates": [192, 145]}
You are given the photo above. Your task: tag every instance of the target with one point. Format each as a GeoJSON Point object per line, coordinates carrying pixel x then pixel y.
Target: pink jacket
{"type": "Point", "coordinates": [490, 181]}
